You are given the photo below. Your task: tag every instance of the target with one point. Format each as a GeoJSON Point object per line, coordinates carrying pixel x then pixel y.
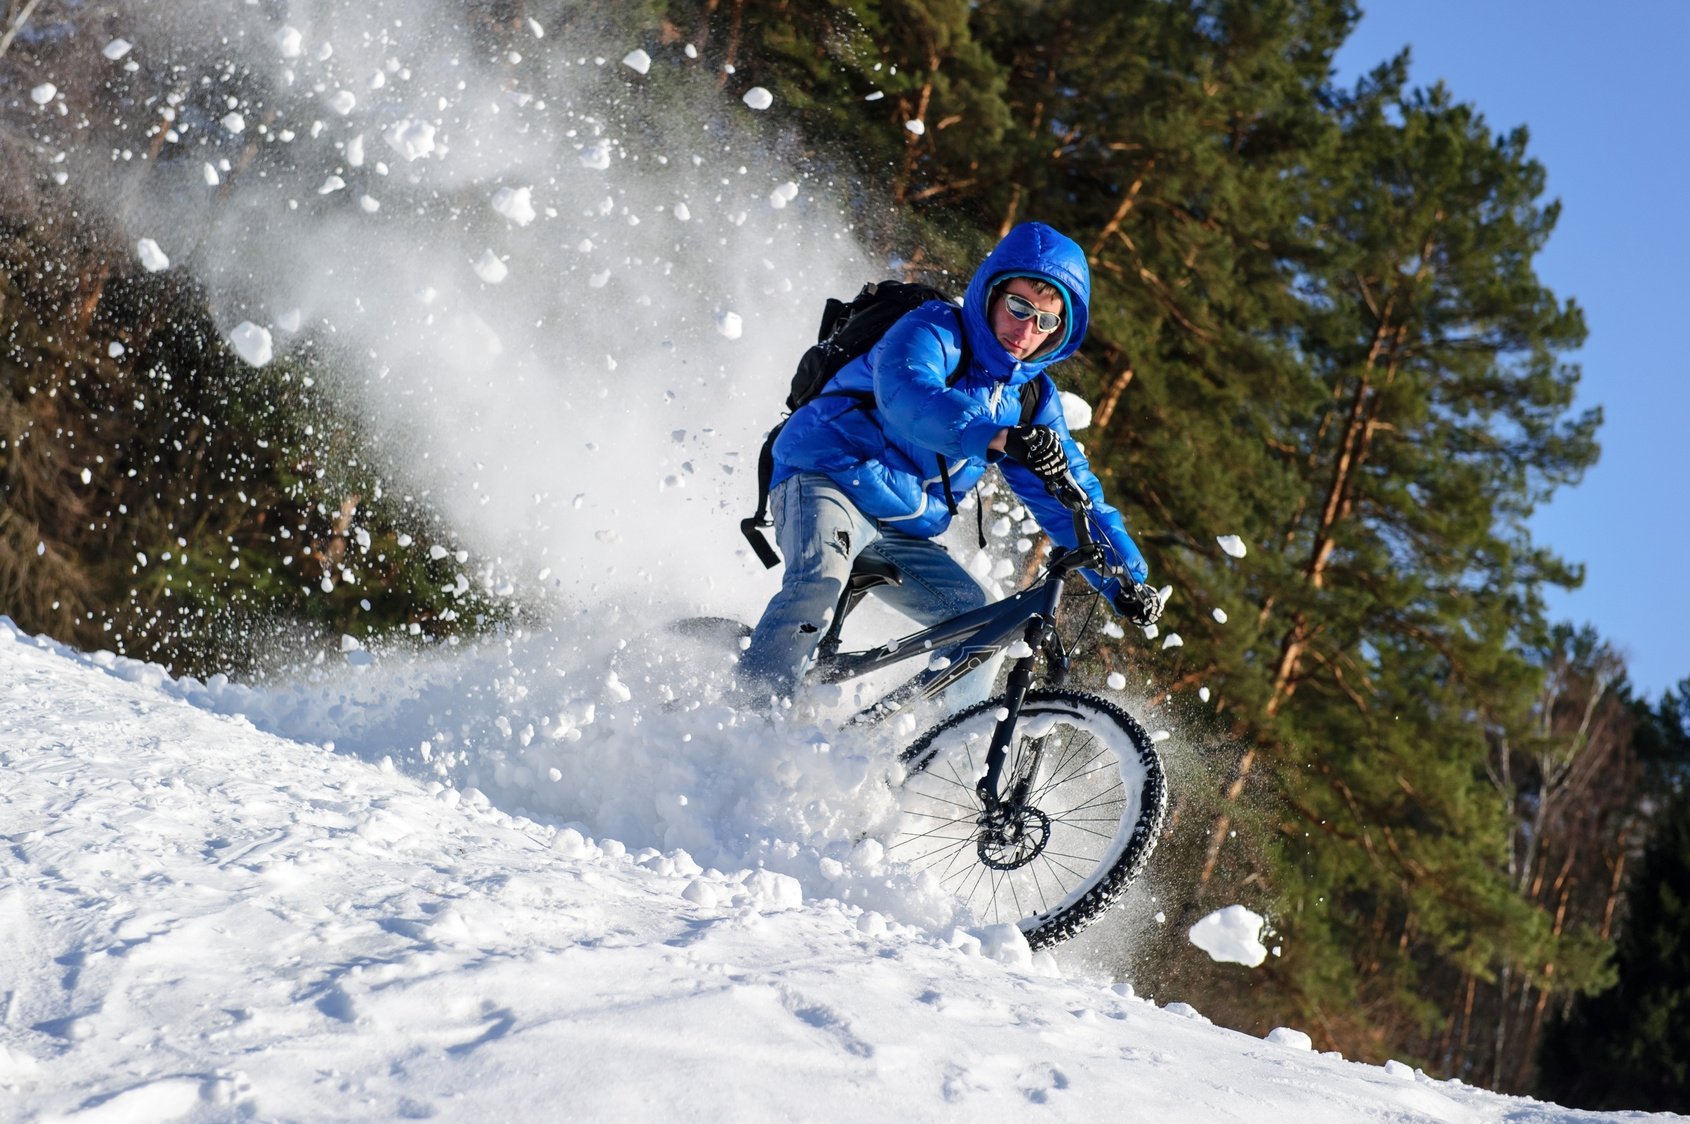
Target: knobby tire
{"type": "Point", "coordinates": [1099, 801]}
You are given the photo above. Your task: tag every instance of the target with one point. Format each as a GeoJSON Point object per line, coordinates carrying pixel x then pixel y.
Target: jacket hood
{"type": "Point", "coordinates": [1041, 251]}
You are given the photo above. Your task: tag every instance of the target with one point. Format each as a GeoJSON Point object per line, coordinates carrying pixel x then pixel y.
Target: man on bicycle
{"type": "Point", "coordinates": [851, 479]}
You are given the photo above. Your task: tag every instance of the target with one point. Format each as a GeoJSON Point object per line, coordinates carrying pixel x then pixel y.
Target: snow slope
{"type": "Point", "coordinates": [205, 921]}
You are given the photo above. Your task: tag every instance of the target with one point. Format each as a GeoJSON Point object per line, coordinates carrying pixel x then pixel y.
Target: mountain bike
{"type": "Point", "coordinates": [1040, 805]}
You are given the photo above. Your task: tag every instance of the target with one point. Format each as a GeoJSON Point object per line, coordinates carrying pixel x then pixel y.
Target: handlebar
{"type": "Point", "coordinates": [1087, 552]}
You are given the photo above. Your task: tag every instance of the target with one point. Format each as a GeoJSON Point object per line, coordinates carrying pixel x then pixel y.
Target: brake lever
{"type": "Point", "coordinates": [1067, 492]}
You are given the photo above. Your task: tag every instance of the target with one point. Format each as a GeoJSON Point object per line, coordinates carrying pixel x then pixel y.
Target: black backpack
{"type": "Point", "coordinates": [850, 329]}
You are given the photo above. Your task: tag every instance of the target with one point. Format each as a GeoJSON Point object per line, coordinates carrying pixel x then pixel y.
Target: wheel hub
{"type": "Point", "coordinates": [1010, 838]}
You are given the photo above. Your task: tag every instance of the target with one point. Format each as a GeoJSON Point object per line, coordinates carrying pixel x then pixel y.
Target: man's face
{"type": "Point", "coordinates": [1021, 338]}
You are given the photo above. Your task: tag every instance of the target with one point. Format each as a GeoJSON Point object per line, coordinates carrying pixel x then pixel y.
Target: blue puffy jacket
{"type": "Point", "coordinates": [885, 458]}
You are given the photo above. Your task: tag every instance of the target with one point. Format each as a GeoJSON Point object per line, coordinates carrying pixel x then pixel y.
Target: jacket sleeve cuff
{"type": "Point", "coordinates": [978, 434]}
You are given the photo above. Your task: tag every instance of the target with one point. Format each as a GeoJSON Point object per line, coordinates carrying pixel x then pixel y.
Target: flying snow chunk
{"type": "Point", "coordinates": [1172, 640]}
{"type": "Point", "coordinates": [1116, 681]}
{"type": "Point", "coordinates": [490, 269]}
{"type": "Point", "coordinates": [113, 349]}
{"type": "Point", "coordinates": [234, 122]}
{"type": "Point", "coordinates": [43, 93]}
{"type": "Point", "coordinates": [343, 102]}
{"type": "Point", "coordinates": [355, 151]}
{"type": "Point", "coordinates": [151, 256]}
{"type": "Point", "coordinates": [289, 42]}
{"type": "Point", "coordinates": [916, 125]}
{"type": "Point", "coordinates": [539, 32]}
{"type": "Point", "coordinates": [1230, 936]}
{"type": "Point", "coordinates": [1076, 409]}
{"type": "Point", "coordinates": [637, 61]}
{"type": "Point", "coordinates": [331, 185]}
{"type": "Point", "coordinates": [1219, 615]}
{"type": "Point", "coordinates": [782, 195]}
{"type": "Point", "coordinates": [117, 48]}
{"type": "Point", "coordinates": [730, 325]}
{"type": "Point", "coordinates": [597, 157]}
{"type": "Point", "coordinates": [251, 342]}
{"type": "Point", "coordinates": [290, 320]}
{"type": "Point", "coordinates": [758, 98]}
{"type": "Point", "coordinates": [410, 138]}
{"type": "Point", "coordinates": [211, 177]}
{"type": "Point", "coordinates": [1232, 544]}
{"type": "Point", "coordinates": [515, 204]}
{"type": "Point", "coordinates": [682, 213]}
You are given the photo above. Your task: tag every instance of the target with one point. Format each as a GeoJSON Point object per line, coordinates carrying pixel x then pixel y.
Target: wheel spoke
{"type": "Point", "coordinates": [1066, 839]}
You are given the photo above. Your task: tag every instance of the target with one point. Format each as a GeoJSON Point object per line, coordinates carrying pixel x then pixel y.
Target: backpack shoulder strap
{"type": "Point", "coordinates": [956, 376]}
{"type": "Point", "coordinates": [1032, 397]}
{"type": "Point", "coordinates": [752, 528]}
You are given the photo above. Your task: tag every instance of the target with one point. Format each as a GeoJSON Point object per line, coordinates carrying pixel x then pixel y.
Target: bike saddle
{"type": "Point", "coordinates": [870, 570]}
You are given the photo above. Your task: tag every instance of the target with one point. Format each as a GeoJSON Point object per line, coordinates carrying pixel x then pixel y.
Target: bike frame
{"type": "Point", "coordinates": [974, 638]}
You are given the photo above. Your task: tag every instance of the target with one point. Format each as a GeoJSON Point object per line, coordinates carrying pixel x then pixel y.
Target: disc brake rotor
{"type": "Point", "coordinates": [1009, 840]}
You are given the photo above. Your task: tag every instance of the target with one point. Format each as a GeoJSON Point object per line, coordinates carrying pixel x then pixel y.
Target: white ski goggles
{"type": "Point", "coordinates": [1023, 309]}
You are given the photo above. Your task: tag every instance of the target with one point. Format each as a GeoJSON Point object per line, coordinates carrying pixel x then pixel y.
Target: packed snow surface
{"type": "Point", "coordinates": [210, 922]}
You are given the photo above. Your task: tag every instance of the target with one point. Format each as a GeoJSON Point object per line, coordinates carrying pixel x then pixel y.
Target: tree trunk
{"type": "Point", "coordinates": [1614, 885]}
{"type": "Point", "coordinates": [912, 142]}
{"type": "Point", "coordinates": [1010, 212]}
{"type": "Point", "coordinates": [1352, 456]}
{"type": "Point", "coordinates": [1128, 201]}
{"type": "Point", "coordinates": [1112, 398]}
{"type": "Point", "coordinates": [16, 25]}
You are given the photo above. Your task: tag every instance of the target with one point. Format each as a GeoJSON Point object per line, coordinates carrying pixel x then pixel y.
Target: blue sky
{"type": "Point", "coordinates": [1605, 92]}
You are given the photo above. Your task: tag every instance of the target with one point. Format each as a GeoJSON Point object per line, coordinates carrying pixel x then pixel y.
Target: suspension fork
{"type": "Point", "coordinates": [1015, 693]}
{"type": "Point", "coordinates": [1040, 636]}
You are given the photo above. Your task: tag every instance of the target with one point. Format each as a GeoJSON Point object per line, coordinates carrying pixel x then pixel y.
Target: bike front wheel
{"type": "Point", "coordinates": [1056, 861]}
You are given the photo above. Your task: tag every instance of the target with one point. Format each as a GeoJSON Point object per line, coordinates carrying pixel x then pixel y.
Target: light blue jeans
{"type": "Point", "coordinates": [820, 533]}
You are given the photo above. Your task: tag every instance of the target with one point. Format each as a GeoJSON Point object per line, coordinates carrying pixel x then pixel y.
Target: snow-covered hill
{"type": "Point", "coordinates": [206, 921]}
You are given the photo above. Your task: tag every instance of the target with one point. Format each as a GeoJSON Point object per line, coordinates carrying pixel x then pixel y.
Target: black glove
{"type": "Point", "coordinates": [1038, 449]}
{"type": "Point", "coordinates": [1138, 603]}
